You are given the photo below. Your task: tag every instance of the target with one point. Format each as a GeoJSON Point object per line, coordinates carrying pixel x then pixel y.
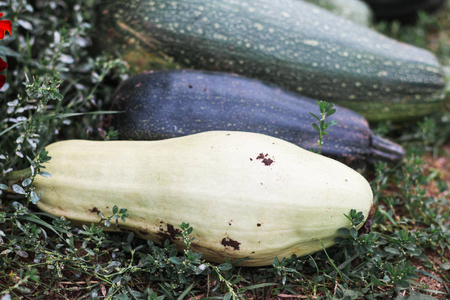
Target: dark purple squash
{"type": "Point", "coordinates": [165, 104]}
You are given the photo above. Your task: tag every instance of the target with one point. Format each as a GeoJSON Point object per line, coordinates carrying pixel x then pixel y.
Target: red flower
{"type": "Point", "coordinates": [5, 25]}
{"type": "Point", "coordinates": [3, 66]}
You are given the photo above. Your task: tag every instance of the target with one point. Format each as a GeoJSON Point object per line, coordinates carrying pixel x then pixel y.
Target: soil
{"type": "Point", "coordinates": [441, 164]}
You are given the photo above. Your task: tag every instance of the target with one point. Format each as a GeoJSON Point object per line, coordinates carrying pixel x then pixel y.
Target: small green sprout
{"type": "Point", "coordinates": [326, 110]}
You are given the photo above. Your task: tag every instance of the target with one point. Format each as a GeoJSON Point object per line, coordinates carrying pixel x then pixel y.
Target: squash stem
{"type": "Point", "coordinates": [383, 149]}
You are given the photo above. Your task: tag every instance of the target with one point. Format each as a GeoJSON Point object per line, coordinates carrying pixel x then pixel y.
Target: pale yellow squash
{"type": "Point", "coordinates": [245, 194]}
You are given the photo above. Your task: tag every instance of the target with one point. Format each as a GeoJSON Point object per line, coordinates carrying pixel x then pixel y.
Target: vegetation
{"type": "Point", "coordinates": [58, 87]}
{"type": "Point", "coordinates": [326, 110]}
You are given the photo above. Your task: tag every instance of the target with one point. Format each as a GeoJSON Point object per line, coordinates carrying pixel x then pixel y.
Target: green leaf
{"type": "Point", "coordinates": [225, 267]}
{"type": "Point", "coordinates": [26, 182]}
{"type": "Point", "coordinates": [34, 197]}
{"type": "Point", "coordinates": [445, 266]}
{"type": "Point", "coordinates": [260, 285]}
{"type": "Point", "coordinates": [316, 127]}
{"type": "Point", "coordinates": [34, 218]}
{"type": "Point", "coordinates": [418, 296]}
{"type": "Point", "coordinates": [34, 278]}
{"type": "Point", "coordinates": [431, 275]}
{"type": "Point", "coordinates": [24, 290]}
{"type": "Point", "coordinates": [45, 174]}
{"type": "Point", "coordinates": [22, 253]}
{"type": "Point", "coordinates": [25, 24]}
{"type": "Point", "coordinates": [331, 123]}
{"type": "Point", "coordinates": [402, 283]}
{"type": "Point", "coordinates": [56, 95]}
{"type": "Point", "coordinates": [18, 189]}
{"type": "Point", "coordinates": [227, 296]}
{"type": "Point", "coordinates": [315, 116]}
{"type": "Point", "coordinates": [3, 186]}
{"type": "Point", "coordinates": [376, 281]}
{"type": "Point", "coordinates": [344, 231]}
{"type": "Point", "coordinates": [175, 260]}
{"type": "Point", "coordinates": [185, 292]}
{"type": "Point", "coordinates": [322, 106]}
{"type": "Point", "coordinates": [89, 251]}
{"type": "Point", "coordinates": [11, 128]}
{"type": "Point", "coordinates": [130, 237]}
{"type": "Point", "coordinates": [330, 112]}
{"type": "Point", "coordinates": [392, 250]}
{"type": "Point", "coordinates": [6, 51]}
{"type": "Point", "coordinates": [353, 232]}
{"type": "Point", "coordinates": [189, 230]}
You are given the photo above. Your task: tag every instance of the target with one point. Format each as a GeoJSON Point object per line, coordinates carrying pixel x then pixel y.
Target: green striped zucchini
{"type": "Point", "coordinates": [293, 44]}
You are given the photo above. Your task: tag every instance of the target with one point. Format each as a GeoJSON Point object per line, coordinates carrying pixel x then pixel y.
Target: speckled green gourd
{"type": "Point", "coordinates": [293, 44]}
{"type": "Point", "coordinates": [354, 10]}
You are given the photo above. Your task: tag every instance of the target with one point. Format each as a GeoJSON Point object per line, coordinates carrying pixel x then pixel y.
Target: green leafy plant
{"type": "Point", "coordinates": [326, 110]}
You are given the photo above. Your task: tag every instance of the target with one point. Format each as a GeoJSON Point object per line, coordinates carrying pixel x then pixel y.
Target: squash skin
{"type": "Point", "coordinates": [354, 10]}
{"type": "Point", "coordinates": [170, 103]}
{"type": "Point", "coordinates": [295, 45]}
{"type": "Point", "coordinates": [239, 204]}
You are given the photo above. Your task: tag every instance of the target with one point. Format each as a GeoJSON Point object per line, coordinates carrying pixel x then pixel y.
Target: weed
{"type": "Point", "coordinates": [326, 110]}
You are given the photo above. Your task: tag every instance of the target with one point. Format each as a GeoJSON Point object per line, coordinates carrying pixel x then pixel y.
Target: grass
{"type": "Point", "coordinates": [59, 88]}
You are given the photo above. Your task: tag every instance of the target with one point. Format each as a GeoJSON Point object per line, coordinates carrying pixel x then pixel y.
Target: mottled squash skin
{"type": "Point", "coordinates": [165, 104]}
{"type": "Point", "coordinates": [293, 44]}
{"type": "Point", "coordinates": [246, 195]}
{"type": "Point", "coordinates": [354, 10]}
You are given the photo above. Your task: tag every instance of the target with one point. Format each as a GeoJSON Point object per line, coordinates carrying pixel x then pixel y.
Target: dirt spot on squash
{"type": "Point", "coordinates": [264, 159]}
{"type": "Point", "coordinates": [227, 242]}
{"type": "Point", "coordinates": [94, 210]}
{"type": "Point", "coordinates": [170, 233]}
